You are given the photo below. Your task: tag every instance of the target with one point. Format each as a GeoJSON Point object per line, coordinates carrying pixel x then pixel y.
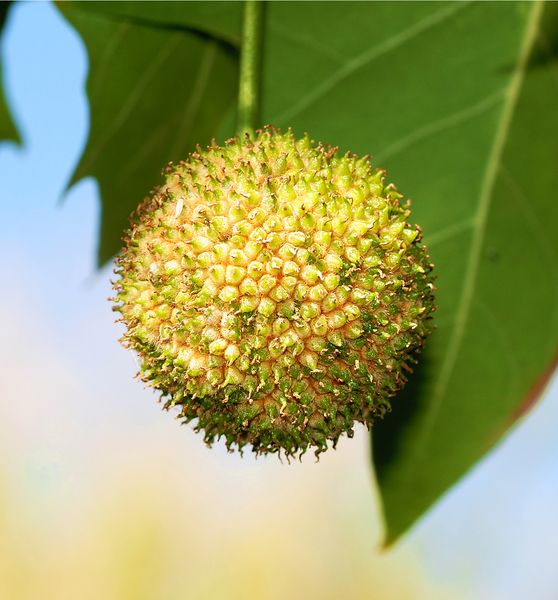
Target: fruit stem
{"type": "Point", "coordinates": [250, 54]}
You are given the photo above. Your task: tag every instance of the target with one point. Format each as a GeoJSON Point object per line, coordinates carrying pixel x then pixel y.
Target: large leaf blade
{"type": "Point", "coordinates": [503, 331]}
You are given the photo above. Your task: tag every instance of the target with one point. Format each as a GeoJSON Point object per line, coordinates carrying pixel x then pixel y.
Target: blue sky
{"type": "Point", "coordinates": [67, 387]}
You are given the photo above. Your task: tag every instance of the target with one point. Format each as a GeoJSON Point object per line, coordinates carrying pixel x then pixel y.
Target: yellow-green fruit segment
{"type": "Point", "coordinates": [275, 292]}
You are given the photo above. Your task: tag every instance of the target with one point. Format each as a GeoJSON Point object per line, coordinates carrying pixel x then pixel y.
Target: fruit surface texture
{"type": "Point", "coordinates": [275, 292]}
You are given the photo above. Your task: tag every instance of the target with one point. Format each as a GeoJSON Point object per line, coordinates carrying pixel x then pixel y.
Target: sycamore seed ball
{"type": "Point", "coordinates": [275, 292]}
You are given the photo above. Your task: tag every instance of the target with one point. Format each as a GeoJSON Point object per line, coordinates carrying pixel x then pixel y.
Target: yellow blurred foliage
{"type": "Point", "coordinates": [136, 540]}
{"type": "Point", "coordinates": [105, 497]}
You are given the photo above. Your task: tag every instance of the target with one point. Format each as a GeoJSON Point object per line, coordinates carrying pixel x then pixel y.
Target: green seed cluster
{"type": "Point", "coordinates": [275, 292]}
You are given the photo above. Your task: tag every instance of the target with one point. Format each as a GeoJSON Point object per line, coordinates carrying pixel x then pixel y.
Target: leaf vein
{"type": "Point", "coordinates": [360, 61]}
{"type": "Point", "coordinates": [481, 217]}
{"type": "Point", "coordinates": [105, 59]}
{"type": "Point", "coordinates": [200, 86]}
{"type": "Point", "coordinates": [133, 99]}
{"type": "Point", "coordinates": [304, 41]}
{"type": "Point", "coordinates": [192, 107]}
{"type": "Point", "coordinates": [440, 125]}
{"type": "Point", "coordinates": [449, 232]}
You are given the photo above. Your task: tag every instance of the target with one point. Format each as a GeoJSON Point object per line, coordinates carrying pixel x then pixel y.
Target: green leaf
{"type": "Point", "coordinates": [8, 130]}
{"type": "Point", "coordinates": [155, 93]}
{"type": "Point", "coordinates": [498, 285]}
{"type": "Point", "coordinates": [458, 101]}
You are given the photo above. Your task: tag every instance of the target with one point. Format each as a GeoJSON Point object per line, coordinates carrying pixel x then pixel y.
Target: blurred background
{"type": "Point", "coordinates": [105, 496]}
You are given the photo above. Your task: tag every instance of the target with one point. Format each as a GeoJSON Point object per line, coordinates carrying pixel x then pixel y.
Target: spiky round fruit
{"type": "Point", "coordinates": [275, 292]}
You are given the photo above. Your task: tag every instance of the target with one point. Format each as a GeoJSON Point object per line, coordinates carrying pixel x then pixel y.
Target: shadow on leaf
{"type": "Point", "coordinates": [389, 432]}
